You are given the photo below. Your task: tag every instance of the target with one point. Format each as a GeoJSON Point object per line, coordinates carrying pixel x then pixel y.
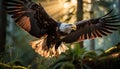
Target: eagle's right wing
{"type": "Point", "coordinates": [29, 15]}
{"type": "Point", "coordinates": [22, 11]}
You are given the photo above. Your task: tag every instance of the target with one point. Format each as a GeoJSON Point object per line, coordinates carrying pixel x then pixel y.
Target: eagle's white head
{"type": "Point", "coordinates": [67, 28]}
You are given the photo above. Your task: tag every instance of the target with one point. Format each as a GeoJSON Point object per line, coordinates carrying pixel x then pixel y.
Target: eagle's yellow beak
{"type": "Point", "coordinates": [74, 27]}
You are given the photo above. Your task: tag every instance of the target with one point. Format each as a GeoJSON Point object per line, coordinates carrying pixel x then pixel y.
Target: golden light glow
{"type": "Point", "coordinates": [59, 8]}
{"type": "Point", "coordinates": [70, 3]}
{"type": "Point", "coordinates": [115, 55]}
{"type": "Point", "coordinates": [87, 8]}
{"type": "Point", "coordinates": [87, 1]}
{"type": "Point", "coordinates": [111, 49]}
{"type": "Point", "coordinates": [40, 47]}
{"type": "Point", "coordinates": [74, 2]}
{"type": "Point", "coordinates": [66, 5]}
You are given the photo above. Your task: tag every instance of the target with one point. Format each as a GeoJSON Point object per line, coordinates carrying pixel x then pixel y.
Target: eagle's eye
{"type": "Point", "coordinates": [71, 27]}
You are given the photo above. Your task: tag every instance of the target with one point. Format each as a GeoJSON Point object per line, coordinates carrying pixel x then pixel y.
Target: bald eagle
{"type": "Point", "coordinates": [51, 34]}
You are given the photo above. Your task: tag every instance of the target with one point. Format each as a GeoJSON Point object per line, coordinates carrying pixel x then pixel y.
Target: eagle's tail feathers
{"type": "Point", "coordinates": [41, 48]}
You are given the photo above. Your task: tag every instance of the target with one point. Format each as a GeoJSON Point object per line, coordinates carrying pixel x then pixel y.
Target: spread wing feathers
{"type": "Point", "coordinates": [30, 16]}
{"type": "Point", "coordinates": [20, 11]}
{"type": "Point", "coordinates": [41, 48]}
{"type": "Point", "coordinates": [97, 27]}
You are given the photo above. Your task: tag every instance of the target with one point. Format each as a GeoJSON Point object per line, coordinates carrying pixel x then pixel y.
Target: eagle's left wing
{"type": "Point", "coordinates": [92, 28]}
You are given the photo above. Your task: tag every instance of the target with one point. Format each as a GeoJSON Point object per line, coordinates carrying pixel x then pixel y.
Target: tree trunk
{"type": "Point", "coordinates": [2, 27]}
{"type": "Point", "coordinates": [92, 42]}
{"type": "Point", "coordinates": [88, 13]}
{"type": "Point", "coordinates": [80, 14]}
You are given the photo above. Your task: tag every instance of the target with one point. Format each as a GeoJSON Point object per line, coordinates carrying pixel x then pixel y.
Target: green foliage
{"type": "Point", "coordinates": [112, 50]}
{"type": "Point", "coordinates": [74, 58]}
{"type": "Point", "coordinates": [7, 66]}
{"type": "Point", "coordinates": [71, 59]}
{"type": "Point", "coordinates": [67, 65]}
{"type": "Point", "coordinates": [78, 58]}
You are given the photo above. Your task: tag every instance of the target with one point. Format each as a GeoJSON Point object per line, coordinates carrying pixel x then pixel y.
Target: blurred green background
{"type": "Point", "coordinates": [14, 41]}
